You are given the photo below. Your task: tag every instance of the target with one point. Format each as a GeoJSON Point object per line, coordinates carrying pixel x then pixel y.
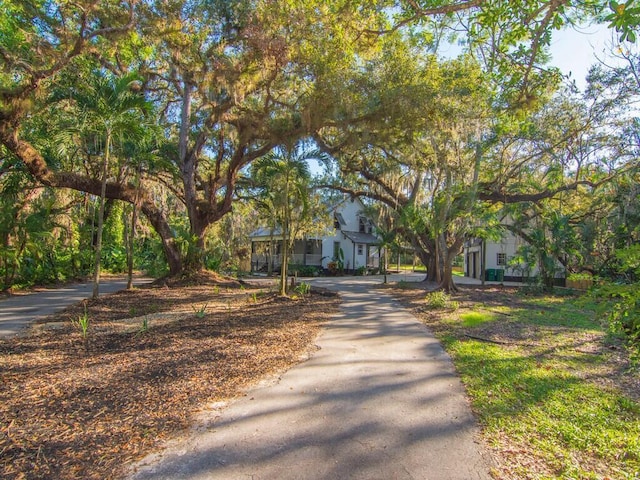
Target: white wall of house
{"type": "Point", "coordinates": [355, 255]}
{"type": "Point", "coordinates": [498, 255]}
{"type": "Point", "coordinates": [350, 211]}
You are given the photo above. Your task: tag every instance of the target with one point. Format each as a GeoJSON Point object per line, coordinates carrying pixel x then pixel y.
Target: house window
{"type": "Point", "coordinates": [362, 225]}
{"type": "Point", "coordinates": [360, 249]}
{"type": "Point", "coordinates": [501, 259]}
{"type": "Point", "coordinates": [309, 247]}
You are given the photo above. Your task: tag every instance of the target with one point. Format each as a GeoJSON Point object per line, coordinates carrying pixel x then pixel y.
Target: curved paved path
{"type": "Point", "coordinates": [378, 400]}
{"type": "Point", "coordinates": [19, 311]}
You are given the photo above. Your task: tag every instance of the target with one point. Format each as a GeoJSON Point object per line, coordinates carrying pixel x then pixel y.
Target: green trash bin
{"type": "Point", "coordinates": [500, 275]}
{"type": "Point", "coordinates": [490, 275]}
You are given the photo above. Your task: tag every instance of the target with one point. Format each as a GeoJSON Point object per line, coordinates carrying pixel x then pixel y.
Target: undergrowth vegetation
{"type": "Point", "coordinates": [555, 392]}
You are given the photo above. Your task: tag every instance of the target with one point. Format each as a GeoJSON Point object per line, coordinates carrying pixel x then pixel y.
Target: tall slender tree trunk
{"type": "Point", "coordinates": [286, 224]}
{"type": "Point", "coordinates": [270, 254]}
{"type": "Point", "coordinates": [131, 242]}
{"type": "Point", "coordinates": [132, 231]}
{"type": "Point", "coordinates": [103, 194]}
{"type": "Point", "coordinates": [285, 259]}
{"type": "Point", "coordinates": [386, 264]}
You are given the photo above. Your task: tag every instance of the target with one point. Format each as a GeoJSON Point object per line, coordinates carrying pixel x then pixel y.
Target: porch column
{"type": "Point", "coordinates": [304, 251]}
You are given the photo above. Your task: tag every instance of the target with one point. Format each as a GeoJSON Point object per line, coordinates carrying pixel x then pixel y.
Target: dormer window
{"type": "Point", "coordinates": [338, 221]}
{"type": "Point", "coordinates": [363, 225]}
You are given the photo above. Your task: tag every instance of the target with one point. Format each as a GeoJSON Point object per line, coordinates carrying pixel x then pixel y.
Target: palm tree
{"type": "Point", "coordinates": [283, 180]}
{"type": "Point", "coordinates": [109, 108]}
{"type": "Point", "coordinates": [386, 240]}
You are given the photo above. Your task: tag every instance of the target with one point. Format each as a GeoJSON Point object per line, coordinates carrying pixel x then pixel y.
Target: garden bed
{"type": "Point", "coordinates": [74, 409]}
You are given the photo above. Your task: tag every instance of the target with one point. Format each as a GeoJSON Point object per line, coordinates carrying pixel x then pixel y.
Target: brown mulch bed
{"type": "Point", "coordinates": [71, 409]}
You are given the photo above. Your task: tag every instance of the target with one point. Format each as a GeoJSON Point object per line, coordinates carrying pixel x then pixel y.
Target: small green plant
{"type": "Point", "coordinates": [216, 290]}
{"type": "Point", "coordinates": [254, 296]}
{"type": "Point", "coordinates": [437, 299]}
{"type": "Point", "coordinates": [303, 288]}
{"type": "Point", "coordinates": [83, 323]}
{"type": "Point", "coordinates": [145, 325]}
{"type": "Point", "coordinates": [202, 311]}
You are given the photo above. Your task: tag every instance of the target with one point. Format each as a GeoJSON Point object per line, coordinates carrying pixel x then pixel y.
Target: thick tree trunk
{"type": "Point", "coordinates": [432, 268]}
{"type": "Point", "coordinates": [188, 161]}
{"type": "Point", "coordinates": [425, 254]}
{"type": "Point", "coordinates": [446, 281]}
{"type": "Point", "coordinates": [194, 261]}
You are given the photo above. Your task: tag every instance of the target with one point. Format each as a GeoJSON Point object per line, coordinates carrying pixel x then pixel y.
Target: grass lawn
{"type": "Point", "coordinates": [555, 396]}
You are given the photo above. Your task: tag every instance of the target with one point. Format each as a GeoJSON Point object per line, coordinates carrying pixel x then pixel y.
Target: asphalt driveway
{"type": "Point", "coordinates": [19, 311]}
{"type": "Point", "coordinates": [378, 400]}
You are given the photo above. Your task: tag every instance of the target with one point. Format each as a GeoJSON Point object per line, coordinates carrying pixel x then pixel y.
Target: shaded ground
{"type": "Point", "coordinates": [547, 340]}
{"type": "Point", "coordinates": [379, 399]}
{"type": "Point", "coordinates": [561, 338]}
{"type": "Point", "coordinates": [152, 358]}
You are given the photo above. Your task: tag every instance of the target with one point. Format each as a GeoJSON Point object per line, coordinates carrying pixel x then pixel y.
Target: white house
{"type": "Point", "coordinates": [351, 241]}
{"type": "Point", "coordinates": [494, 259]}
{"type": "Point", "coordinates": [491, 258]}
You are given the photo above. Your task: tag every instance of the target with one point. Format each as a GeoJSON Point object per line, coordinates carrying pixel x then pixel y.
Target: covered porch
{"type": "Point", "coordinates": [266, 254]}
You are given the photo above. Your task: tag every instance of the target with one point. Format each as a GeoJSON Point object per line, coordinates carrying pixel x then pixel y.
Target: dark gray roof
{"type": "Point", "coordinates": [359, 237]}
{"type": "Point", "coordinates": [266, 232]}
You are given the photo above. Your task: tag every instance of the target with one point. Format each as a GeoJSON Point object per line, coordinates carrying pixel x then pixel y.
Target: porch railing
{"type": "Point", "coordinates": [260, 262]}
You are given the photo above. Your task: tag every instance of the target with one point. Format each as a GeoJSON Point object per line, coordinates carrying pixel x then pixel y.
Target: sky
{"type": "Point", "coordinates": [575, 50]}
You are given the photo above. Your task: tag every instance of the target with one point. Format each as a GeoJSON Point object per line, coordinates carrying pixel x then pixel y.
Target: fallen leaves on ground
{"type": "Point", "coordinates": [74, 410]}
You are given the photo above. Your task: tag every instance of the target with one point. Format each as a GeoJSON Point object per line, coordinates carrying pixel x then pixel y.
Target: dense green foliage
{"type": "Point", "coordinates": [161, 109]}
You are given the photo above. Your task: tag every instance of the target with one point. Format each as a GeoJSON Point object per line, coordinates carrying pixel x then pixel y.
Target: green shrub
{"type": "Point", "coordinates": [580, 276]}
{"type": "Point", "coordinates": [305, 270]}
{"type": "Point", "coordinates": [303, 288]}
{"type": "Point", "coordinates": [437, 299]}
{"type": "Point", "coordinates": [620, 304]}
{"type": "Point", "coordinates": [114, 258]}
